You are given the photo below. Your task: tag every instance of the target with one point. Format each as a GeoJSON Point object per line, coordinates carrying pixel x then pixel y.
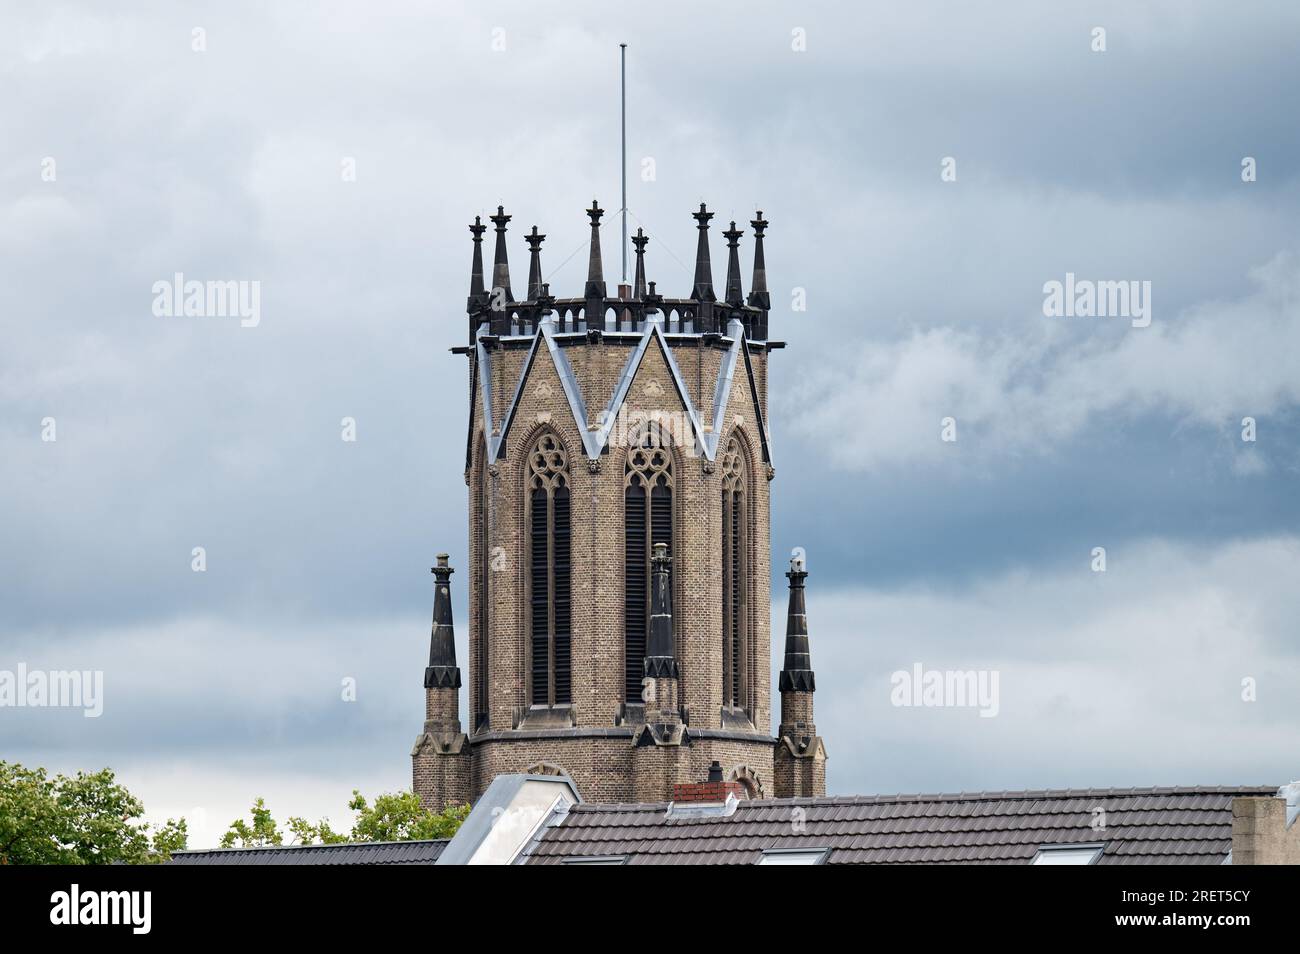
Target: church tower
{"type": "Point", "coordinates": [618, 463]}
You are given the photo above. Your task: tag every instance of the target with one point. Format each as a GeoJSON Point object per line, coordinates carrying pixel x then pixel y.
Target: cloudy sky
{"type": "Point", "coordinates": [129, 156]}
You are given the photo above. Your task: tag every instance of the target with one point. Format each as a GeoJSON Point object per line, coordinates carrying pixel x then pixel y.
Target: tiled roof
{"type": "Point", "coordinates": [361, 853]}
{"type": "Point", "coordinates": [1141, 826]}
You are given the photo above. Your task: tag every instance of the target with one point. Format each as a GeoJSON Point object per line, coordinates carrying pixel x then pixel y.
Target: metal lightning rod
{"type": "Point", "coordinates": [622, 67]}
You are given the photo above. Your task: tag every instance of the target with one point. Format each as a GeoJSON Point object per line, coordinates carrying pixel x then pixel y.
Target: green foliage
{"type": "Point", "coordinates": [260, 834]}
{"type": "Point", "coordinates": [319, 834]}
{"type": "Point", "coordinates": [87, 819]}
{"type": "Point", "coordinates": [396, 816]}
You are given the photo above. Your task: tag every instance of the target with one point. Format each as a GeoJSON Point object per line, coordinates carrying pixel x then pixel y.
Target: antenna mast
{"type": "Point", "coordinates": [622, 67]}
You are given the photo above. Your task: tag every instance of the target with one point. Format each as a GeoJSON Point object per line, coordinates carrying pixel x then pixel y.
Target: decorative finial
{"type": "Point", "coordinates": [758, 296]}
{"type": "Point", "coordinates": [734, 294]}
{"type": "Point", "coordinates": [477, 296]}
{"type": "Point", "coordinates": [500, 266]}
{"type": "Point", "coordinates": [640, 240]}
{"type": "Point", "coordinates": [534, 240]}
{"type": "Point", "coordinates": [476, 267]}
{"type": "Point", "coordinates": [703, 290]}
{"type": "Point", "coordinates": [595, 268]}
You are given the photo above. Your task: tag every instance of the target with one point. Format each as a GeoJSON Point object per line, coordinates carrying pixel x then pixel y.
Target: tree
{"type": "Point", "coordinates": [86, 819]}
{"type": "Point", "coordinates": [398, 816]}
{"type": "Point", "coordinates": [262, 833]}
{"type": "Point", "coordinates": [395, 816]}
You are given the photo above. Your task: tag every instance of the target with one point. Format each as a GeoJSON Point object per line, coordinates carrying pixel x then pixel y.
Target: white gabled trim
{"type": "Point", "coordinates": [485, 388]}
{"type": "Point", "coordinates": [681, 390]}
{"type": "Point", "coordinates": [594, 441]}
{"type": "Point", "coordinates": [499, 441]}
{"type": "Point", "coordinates": [620, 391]}
{"type": "Point", "coordinates": [722, 393]}
{"type": "Point", "coordinates": [569, 381]}
{"type": "Point", "coordinates": [763, 436]}
{"type": "Point", "coordinates": [653, 329]}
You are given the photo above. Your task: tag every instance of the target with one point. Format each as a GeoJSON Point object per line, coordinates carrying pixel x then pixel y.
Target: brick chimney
{"type": "Point", "coordinates": [714, 790]}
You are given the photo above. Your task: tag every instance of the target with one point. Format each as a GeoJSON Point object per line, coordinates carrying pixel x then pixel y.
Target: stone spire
{"type": "Point", "coordinates": [442, 671]}
{"type": "Point", "coordinates": [734, 295]}
{"type": "Point", "coordinates": [500, 267]}
{"type": "Point", "coordinates": [638, 285]}
{"type": "Point", "coordinates": [534, 240]}
{"type": "Point", "coordinates": [661, 654]}
{"type": "Point", "coordinates": [797, 672]}
{"type": "Point", "coordinates": [595, 269]}
{"type": "Point", "coordinates": [703, 290]}
{"type": "Point", "coordinates": [758, 296]}
{"type": "Point", "coordinates": [799, 765]}
{"type": "Point", "coordinates": [476, 292]}
{"type": "Point", "coordinates": [441, 762]}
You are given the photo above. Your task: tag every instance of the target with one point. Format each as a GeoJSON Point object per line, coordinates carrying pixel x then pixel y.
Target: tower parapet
{"type": "Point", "coordinates": [699, 312]}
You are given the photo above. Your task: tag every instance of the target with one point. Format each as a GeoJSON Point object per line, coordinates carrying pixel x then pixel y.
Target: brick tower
{"type": "Point", "coordinates": [618, 466]}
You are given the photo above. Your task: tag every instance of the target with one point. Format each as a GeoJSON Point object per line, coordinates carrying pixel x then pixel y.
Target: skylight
{"type": "Point", "coordinates": [596, 860]}
{"type": "Point", "coordinates": [1067, 855]}
{"type": "Point", "coordinates": [794, 856]}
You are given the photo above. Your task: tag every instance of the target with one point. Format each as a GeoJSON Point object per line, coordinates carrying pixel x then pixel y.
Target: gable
{"type": "Point", "coordinates": [650, 382]}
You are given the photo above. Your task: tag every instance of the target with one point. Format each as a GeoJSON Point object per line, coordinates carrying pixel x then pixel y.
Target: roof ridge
{"type": "Point", "coordinates": [1018, 795]}
{"type": "Point", "coordinates": [335, 844]}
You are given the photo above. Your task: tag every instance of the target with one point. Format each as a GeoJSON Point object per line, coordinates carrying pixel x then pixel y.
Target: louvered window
{"type": "Point", "coordinates": [480, 655]}
{"type": "Point", "coordinates": [647, 505]}
{"type": "Point", "coordinates": [549, 570]}
{"type": "Point", "coordinates": [735, 578]}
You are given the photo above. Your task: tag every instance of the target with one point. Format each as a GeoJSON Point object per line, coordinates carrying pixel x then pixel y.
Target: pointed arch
{"type": "Point", "coordinates": [751, 783]}
{"type": "Point", "coordinates": [548, 574]}
{"type": "Point", "coordinates": [736, 573]}
{"type": "Point", "coordinates": [549, 769]}
{"type": "Point", "coordinates": [648, 518]}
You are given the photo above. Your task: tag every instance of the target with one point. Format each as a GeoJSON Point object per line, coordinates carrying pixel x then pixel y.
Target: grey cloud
{"type": "Point", "coordinates": [175, 433]}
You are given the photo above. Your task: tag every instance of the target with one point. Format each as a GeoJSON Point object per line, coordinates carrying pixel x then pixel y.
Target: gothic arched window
{"type": "Point", "coordinates": [648, 519]}
{"type": "Point", "coordinates": [735, 577]}
{"type": "Point", "coordinates": [479, 479]}
{"type": "Point", "coordinates": [549, 563]}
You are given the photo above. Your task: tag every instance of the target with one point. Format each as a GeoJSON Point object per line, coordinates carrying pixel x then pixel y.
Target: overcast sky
{"type": "Point", "coordinates": [924, 301]}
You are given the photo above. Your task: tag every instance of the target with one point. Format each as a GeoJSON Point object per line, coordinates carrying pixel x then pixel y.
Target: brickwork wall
{"type": "Point", "coordinates": [656, 770]}
{"type": "Point", "coordinates": [750, 762]}
{"type": "Point", "coordinates": [608, 768]}
{"type": "Point", "coordinates": [796, 709]}
{"type": "Point", "coordinates": [600, 767]}
{"type": "Point", "coordinates": [442, 709]}
{"type": "Point", "coordinates": [800, 776]}
{"type": "Point", "coordinates": [441, 779]}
